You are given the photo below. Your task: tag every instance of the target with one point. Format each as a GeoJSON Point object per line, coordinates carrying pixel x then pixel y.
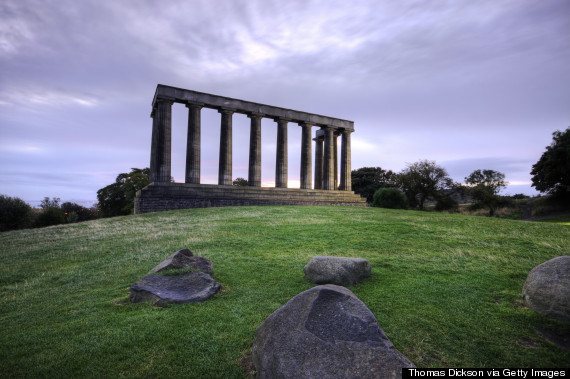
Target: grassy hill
{"type": "Point", "coordinates": [445, 288]}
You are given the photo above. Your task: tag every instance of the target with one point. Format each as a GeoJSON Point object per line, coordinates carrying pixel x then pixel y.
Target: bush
{"type": "Point", "coordinates": [389, 198]}
{"type": "Point", "coordinates": [50, 216]}
{"type": "Point", "coordinates": [15, 213]}
{"type": "Point", "coordinates": [74, 212]}
{"type": "Point", "coordinates": [446, 203]}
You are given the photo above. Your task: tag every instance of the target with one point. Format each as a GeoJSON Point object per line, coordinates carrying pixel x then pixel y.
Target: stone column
{"type": "Point", "coordinates": [193, 144]}
{"type": "Point", "coordinates": [281, 159]}
{"type": "Point", "coordinates": [225, 168]}
{"type": "Point", "coordinates": [306, 155]}
{"type": "Point", "coordinates": [254, 179]}
{"type": "Point", "coordinates": [345, 170]}
{"type": "Point", "coordinates": [335, 139]}
{"type": "Point", "coordinates": [318, 163]}
{"type": "Point", "coordinates": [328, 164]}
{"type": "Point", "coordinates": [160, 157]}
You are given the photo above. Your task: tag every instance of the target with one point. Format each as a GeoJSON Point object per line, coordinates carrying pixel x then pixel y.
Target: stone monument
{"type": "Point", "coordinates": [328, 188]}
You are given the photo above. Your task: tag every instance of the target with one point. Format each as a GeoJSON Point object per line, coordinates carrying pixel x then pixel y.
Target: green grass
{"type": "Point", "coordinates": [445, 288]}
{"type": "Point", "coordinates": [564, 220]}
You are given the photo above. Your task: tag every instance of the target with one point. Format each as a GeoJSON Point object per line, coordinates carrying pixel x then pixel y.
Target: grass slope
{"type": "Point", "coordinates": [445, 288]}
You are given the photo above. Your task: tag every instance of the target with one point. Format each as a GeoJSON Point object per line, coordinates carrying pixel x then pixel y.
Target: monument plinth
{"type": "Point", "coordinates": [162, 195]}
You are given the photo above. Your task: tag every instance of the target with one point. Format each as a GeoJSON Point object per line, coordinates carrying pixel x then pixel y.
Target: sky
{"type": "Point", "coordinates": [467, 84]}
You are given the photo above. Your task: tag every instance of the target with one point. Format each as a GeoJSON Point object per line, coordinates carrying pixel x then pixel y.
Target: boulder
{"type": "Point", "coordinates": [186, 288]}
{"type": "Point", "coordinates": [325, 332]}
{"type": "Point", "coordinates": [185, 259]}
{"type": "Point", "coordinates": [337, 270]}
{"type": "Point", "coordinates": [547, 289]}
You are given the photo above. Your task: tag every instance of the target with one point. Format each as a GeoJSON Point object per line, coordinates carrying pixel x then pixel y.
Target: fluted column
{"type": "Point", "coordinates": [254, 178]}
{"type": "Point", "coordinates": [160, 158]}
{"type": "Point", "coordinates": [281, 159]}
{"type": "Point", "coordinates": [345, 170]}
{"type": "Point", "coordinates": [306, 156]}
{"type": "Point", "coordinates": [335, 139]}
{"type": "Point", "coordinates": [318, 163]}
{"type": "Point", "coordinates": [328, 164]}
{"type": "Point", "coordinates": [225, 168]}
{"type": "Point", "coordinates": [193, 144]}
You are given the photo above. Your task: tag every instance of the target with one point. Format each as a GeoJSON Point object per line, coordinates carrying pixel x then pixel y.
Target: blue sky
{"type": "Point", "coordinates": [471, 85]}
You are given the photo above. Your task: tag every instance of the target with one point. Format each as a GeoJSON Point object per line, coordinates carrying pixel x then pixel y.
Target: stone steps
{"type": "Point", "coordinates": [168, 196]}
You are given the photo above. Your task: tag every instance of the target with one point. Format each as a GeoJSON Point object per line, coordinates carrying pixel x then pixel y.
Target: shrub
{"type": "Point", "coordinates": [389, 198]}
{"type": "Point", "coordinates": [446, 203]}
{"type": "Point", "coordinates": [15, 213]}
{"type": "Point", "coordinates": [50, 216]}
{"type": "Point", "coordinates": [75, 212]}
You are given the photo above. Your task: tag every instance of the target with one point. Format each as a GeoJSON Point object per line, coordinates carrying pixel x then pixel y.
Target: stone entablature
{"type": "Point", "coordinates": [186, 96]}
{"type": "Point", "coordinates": [326, 149]}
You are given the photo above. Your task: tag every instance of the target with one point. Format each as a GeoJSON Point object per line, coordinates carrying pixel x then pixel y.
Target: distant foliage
{"type": "Point", "coordinates": [484, 187]}
{"type": "Point", "coordinates": [119, 198]}
{"type": "Point", "coordinates": [423, 180]}
{"type": "Point", "coordinates": [367, 180]}
{"type": "Point", "coordinates": [446, 203]}
{"type": "Point", "coordinates": [51, 213]}
{"type": "Point", "coordinates": [240, 182]}
{"type": "Point", "coordinates": [551, 174]}
{"type": "Point", "coordinates": [390, 198]}
{"type": "Point", "coordinates": [75, 213]}
{"type": "Point", "coordinates": [15, 213]}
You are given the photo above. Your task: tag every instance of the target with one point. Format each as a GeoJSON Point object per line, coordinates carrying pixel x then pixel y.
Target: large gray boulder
{"type": "Point", "coordinates": [325, 332]}
{"type": "Point", "coordinates": [337, 270]}
{"type": "Point", "coordinates": [192, 287]}
{"type": "Point", "coordinates": [185, 259]}
{"type": "Point", "coordinates": [547, 289]}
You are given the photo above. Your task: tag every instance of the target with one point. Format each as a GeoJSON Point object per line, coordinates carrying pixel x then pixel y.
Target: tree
{"type": "Point", "coordinates": [240, 182]}
{"type": "Point", "coordinates": [15, 213]}
{"type": "Point", "coordinates": [74, 212]}
{"type": "Point", "coordinates": [367, 180]}
{"type": "Point", "coordinates": [485, 186]}
{"type": "Point", "coordinates": [119, 198]}
{"type": "Point", "coordinates": [51, 213]}
{"type": "Point", "coordinates": [551, 174]}
{"type": "Point", "coordinates": [422, 180]}
{"type": "Point", "coordinates": [391, 198]}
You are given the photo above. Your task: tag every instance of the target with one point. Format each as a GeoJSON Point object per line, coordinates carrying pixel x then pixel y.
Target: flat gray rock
{"type": "Point", "coordinates": [185, 259]}
{"type": "Point", "coordinates": [547, 289]}
{"type": "Point", "coordinates": [192, 287]}
{"type": "Point", "coordinates": [325, 332]}
{"type": "Point", "coordinates": [337, 270]}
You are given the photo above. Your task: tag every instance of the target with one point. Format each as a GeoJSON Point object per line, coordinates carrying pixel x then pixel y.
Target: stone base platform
{"type": "Point", "coordinates": [158, 197]}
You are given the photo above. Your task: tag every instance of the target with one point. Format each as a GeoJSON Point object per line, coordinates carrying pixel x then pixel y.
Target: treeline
{"type": "Point", "coordinates": [426, 181]}
{"type": "Point", "coordinates": [17, 214]}
{"type": "Point", "coordinates": [116, 199]}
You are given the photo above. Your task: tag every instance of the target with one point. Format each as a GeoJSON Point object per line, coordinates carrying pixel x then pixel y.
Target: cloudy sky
{"type": "Point", "coordinates": [468, 84]}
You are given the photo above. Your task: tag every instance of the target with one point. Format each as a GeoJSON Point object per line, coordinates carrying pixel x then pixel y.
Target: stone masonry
{"type": "Point", "coordinates": [328, 189]}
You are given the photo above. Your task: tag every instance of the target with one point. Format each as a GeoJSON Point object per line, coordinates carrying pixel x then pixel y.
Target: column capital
{"type": "Point", "coordinates": [305, 124]}
{"type": "Point", "coordinates": [281, 119]}
{"type": "Point", "coordinates": [255, 115]}
{"type": "Point", "coordinates": [194, 105]}
{"type": "Point", "coordinates": [228, 111]}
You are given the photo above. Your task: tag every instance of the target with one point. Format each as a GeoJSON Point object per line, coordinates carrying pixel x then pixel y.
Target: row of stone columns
{"type": "Point", "coordinates": [325, 152]}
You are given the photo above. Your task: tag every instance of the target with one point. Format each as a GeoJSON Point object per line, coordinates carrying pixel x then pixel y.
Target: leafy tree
{"type": "Point", "coordinates": [551, 174]}
{"type": "Point", "coordinates": [240, 182]}
{"type": "Point", "coordinates": [367, 180]}
{"type": "Point", "coordinates": [485, 186]}
{"type": "Point", "coordinates": [15, 213]}
{"type": "Point", "coordinates": [51, 213]}
{"type": "Point", "coordinates": [74, 212]}
{"type": "Point", "coordinates": [391, 198]}
{"type": "Point", "coordinates": [119, 198]}
{"type": "Point", "coordinates": [422, 180]}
